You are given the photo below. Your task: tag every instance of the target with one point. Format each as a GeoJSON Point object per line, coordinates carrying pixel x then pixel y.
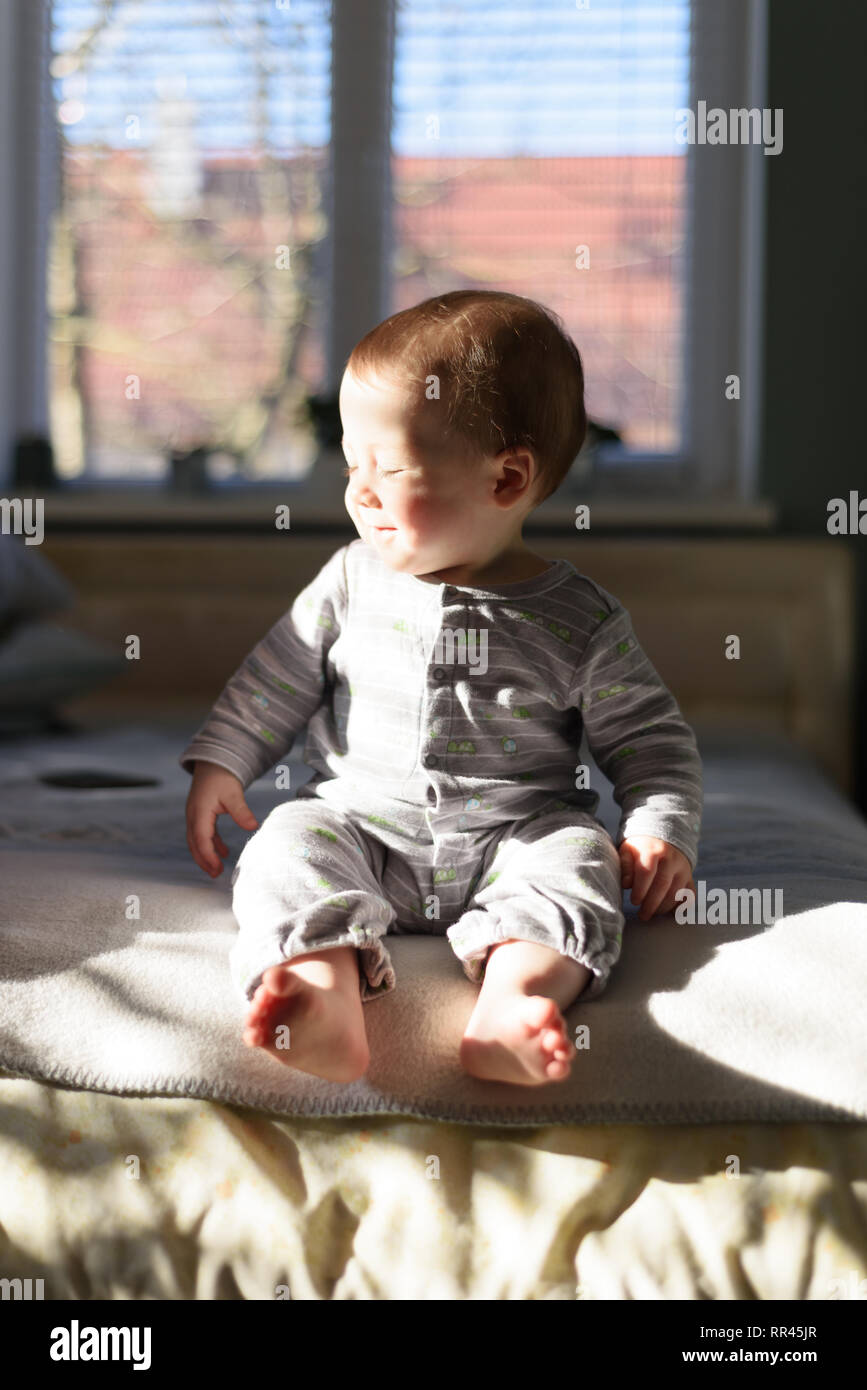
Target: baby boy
{"type": "Point", "coordinates": [446, 675]}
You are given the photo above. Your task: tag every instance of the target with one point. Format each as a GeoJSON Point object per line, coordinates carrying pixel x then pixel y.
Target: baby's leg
{"type": "Point", "coordinates": [548, 920]}
{"type": "Point", "coordinates": [310, 949]}
{"type": "Point", "coordinates": [307, 1013]}
{"type": "Point", "coordinates": [516, 1031]}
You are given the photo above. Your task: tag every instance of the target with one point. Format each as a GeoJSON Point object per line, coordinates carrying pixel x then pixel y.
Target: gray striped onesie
{"type": "Point", "coordinates": [444, 726]}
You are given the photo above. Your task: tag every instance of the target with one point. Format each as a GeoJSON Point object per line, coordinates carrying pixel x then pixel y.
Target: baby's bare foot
{"type": "Point", "coordinates": [521, 1039]}
{"type": "Point", "coordinates": [308, 1015]}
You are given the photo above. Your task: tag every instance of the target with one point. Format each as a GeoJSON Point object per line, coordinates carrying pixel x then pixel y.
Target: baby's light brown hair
{"type": "Point", "coordinates": [509, 374]}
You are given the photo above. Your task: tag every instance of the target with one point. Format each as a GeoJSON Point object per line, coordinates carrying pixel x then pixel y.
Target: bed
{"type": "Point", "coordinates": [712, 1146]}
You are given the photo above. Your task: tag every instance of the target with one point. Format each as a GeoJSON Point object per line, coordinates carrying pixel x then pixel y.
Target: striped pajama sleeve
{"type": "Point", "coordinates": [639, 738]}
{"type": "Point", "coordinates": [278, 686]}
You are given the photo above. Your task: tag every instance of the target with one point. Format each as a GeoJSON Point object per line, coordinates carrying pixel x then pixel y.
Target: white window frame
{"type": "Point", "coordinates": [28, 186]}
{"type": "Point", "coordinates": [723, 324]}
{"type": "Point", "coordinates": [726, 239]}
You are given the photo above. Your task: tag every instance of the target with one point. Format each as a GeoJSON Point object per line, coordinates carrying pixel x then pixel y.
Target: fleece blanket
{"type": "Point", "coordinates": [113, 958]}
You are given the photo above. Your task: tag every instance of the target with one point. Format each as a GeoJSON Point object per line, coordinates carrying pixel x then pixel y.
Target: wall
{"type": "Point", "coordinates": [813, 445]}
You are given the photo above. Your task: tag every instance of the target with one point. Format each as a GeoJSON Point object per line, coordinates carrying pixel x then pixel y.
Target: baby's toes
{"type": "Point", "coordinates": [555, 1043]}
{"type": "Point", "coordinates": [539, 1015]}
{"type": "Point", "coordinates": [259, 1005]}
{"type": "Point", "coordinates": [279, 981]}
{"type": "Point", "coordinates": [254, 1035]}
{"type": "Point", "coordinates": [556, 1052]}
{"type": "Point", "coordinates": [558, 1068]}
{"type": "Point", "coordinates": [542, 1017]}
{"type": "Point", "coordinates": [256, 1028]}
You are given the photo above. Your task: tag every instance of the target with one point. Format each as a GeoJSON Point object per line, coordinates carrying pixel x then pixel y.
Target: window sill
{"type": "Point", "coordinates": [255, 509]}
{"type": "Point", "coordinates": [607, 513]}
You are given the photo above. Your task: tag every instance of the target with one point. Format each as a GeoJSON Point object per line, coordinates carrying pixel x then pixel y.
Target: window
{"type": "Point", "coordinates": [186, 284]}
{"type": "Point", "coordinates": [242, 189]}
{"type": "Point", "coordinates": [534, 150]}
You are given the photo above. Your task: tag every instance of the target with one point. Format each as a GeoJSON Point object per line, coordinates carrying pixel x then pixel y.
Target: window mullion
{"type": "Point", "coordinates": [359, 174]}
{"type": "Point", "coordinates": [28, 192]}
{"type": "Point", "coordinates": [723, 276]}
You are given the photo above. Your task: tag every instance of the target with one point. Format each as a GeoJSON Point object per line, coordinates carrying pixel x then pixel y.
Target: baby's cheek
{"type": "Point", "coordinates": [443, 514]}
{"type": "Point", "coordinates": [421, 517]}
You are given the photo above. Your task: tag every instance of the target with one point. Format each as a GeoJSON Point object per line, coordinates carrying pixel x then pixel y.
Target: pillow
{"type": "Point", "coordinates": [42, 665]}
{"type": "Point", "coordinates": [29, 585]}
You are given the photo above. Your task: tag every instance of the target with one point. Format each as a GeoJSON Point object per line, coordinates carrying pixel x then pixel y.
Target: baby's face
{"type": "Point", "coordinates": [423, 503]}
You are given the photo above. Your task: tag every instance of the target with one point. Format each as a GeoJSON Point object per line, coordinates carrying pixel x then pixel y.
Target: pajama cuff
{"type": "Point", "coordinates": [670, 829]}
{"type": "Point", "coordinates": [471, 941]}
{"type": "Point", "coordinates": [376, 974]}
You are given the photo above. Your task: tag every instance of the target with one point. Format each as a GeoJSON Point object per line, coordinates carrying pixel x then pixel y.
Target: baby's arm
{"type": "Point", "coordinates": [278, 686]}
{"type": "Point", "coordinates": [641, 741]}
{"type": "Point", "coordinates": [262, 709]}
{"type": "Point", "coordinates": [214, 791]}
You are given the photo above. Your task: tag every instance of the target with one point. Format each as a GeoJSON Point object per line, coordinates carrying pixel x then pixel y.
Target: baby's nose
{"type": "Point", "coordinates": [362, 494]}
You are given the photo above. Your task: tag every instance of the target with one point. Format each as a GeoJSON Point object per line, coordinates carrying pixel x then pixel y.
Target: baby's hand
{"type": "Point", "coordinates": [655, 870]}
{"type": "Point", "coordinates": [214, 791]}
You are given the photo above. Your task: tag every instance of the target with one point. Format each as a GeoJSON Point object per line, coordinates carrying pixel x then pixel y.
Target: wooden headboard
{"type": "Point", "coordinates": [200, 602]}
